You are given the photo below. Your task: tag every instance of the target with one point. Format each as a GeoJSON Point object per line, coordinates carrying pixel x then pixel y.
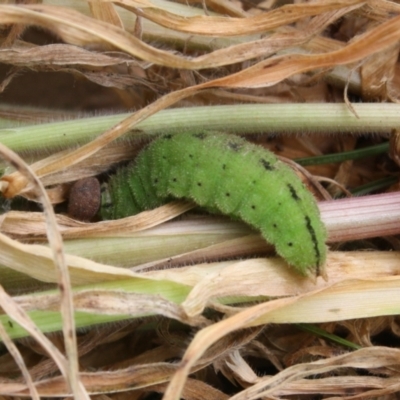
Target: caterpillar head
{"type": "Point", "coordinates": [84, 199]}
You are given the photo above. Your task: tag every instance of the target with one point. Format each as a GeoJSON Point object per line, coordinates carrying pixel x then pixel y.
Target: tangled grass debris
{"type": "Point", "coordinates": [172, 305]}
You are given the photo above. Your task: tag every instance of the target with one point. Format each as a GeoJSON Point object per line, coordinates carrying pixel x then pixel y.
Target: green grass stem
{"type": "Point", "coordinates": [323, 118]}
{"type": "Point", "coordinates": [346, 155]}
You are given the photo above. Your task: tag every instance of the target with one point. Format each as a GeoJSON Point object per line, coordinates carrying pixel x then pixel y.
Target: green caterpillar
{"type": "Point", "coordinates": [227, 175]}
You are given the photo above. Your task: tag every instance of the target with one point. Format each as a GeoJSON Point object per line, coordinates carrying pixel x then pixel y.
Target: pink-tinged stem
{"type": "Point", "coordinates": [362, 217]}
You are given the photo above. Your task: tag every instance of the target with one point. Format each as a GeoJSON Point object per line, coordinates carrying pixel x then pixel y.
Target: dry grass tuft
{"type": "Point", "coordinates": [197, 307]}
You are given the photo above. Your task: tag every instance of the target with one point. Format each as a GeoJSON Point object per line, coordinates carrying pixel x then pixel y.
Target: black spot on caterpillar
{"type": "Point", "coordinates": [293, 192]}
{"type": "Point", "coordinates": [225, 174]}
{"type": "Point", "coordinates": [267, 165]}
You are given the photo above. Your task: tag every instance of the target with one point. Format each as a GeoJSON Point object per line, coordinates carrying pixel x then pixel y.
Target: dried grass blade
{"type": "Point", "coordinates": [78, 29]}
{"type": "Point", "coordinates": [222, 26]}
{"type": "Point", "coordinates": [276, 69]}
{"type": "Point", "coordinates": [106, 12]}
{"type": "Point", "coordinates": [19, 360]}
{"type": "Point", "coordinates": [36, 261]}
{"type": "Point", "coordinates": [367, 358]}
{"type": "Point", "coordinates": [261, 314]}
{"type": "Point", "coordinates": [63, 279]}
